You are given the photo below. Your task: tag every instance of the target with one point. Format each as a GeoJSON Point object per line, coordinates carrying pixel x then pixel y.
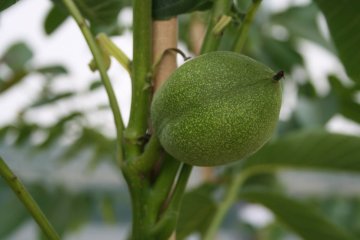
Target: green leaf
{"type": "Point", "coordinates": [56, 131]}
{"type": "Point", "coordinates": [52, 70]}
{"type": "Point", "coordinates": [316, 112]}
{"type": "Point", "coordinates": [280, 55]}
{"type": "Point", "coordinates": [17, 56]}
{"type": "Point", "coordinates": [52, 99]}
{"type": "Point", "coordinates": [343, 19]}
{"type": "Point", "coordinates": [197, 201]}
{"type": "Point", "coordinates": [66, 211]}
{"type": "Point", "coordinates": [13, 214]}
{"type": "Point", "coordinates": [300, 217]}
{"type": "Point", "coordinates": [102, 15]}
{"type": "Point", "coordinates": [348, 106]}
{"type": "Point", "coordinates": [100, 12]}
{"type": "Point", "coordinates": [95, 85]}
{"type": "Point", "coordinates": [164, 9]}
{"type": "Point", "coordinates": [4, 4]}
{"type": "Point", "coordinates": [16, 78]}
{"type": "Point", "coordinates": [318, 150]}
{"type": "Point", "coordinates": [55, 17]}
{"type": "Point", "coordinates": [300, 22]}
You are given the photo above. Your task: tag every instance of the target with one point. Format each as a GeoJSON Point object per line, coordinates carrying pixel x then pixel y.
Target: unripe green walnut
{"type": "Point", "coordinates": [217, 108]}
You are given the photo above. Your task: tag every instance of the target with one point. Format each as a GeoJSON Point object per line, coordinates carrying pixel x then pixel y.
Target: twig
{"type": "Point", "coordinates": [95, 50]}
{"type": "Point", "coordinates": [27, 200]}
{"type": "Point", "coordinates": [244, 29]}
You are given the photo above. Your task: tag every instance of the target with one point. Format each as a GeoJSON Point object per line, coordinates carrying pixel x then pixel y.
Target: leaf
{"type": "Point", "coordinates": [101, 14]}
{"type": "Point", "coordinates": [64, 210]}
{"type": "Point", "coordinates": [4, 4]}
{"type": "Point", "coordinates": [56, 131]}
{"type": "Point", "coordinates": [281, 55]}
{"type": "Point", "coordinates": [95, 85]}
{"type": "Point", "coordinates": [164, 9]}
{"type": "Point", "coordinates": [55, 17]}
{"type": "Point", "coordinates": [53, 70]}
{"type": "Point", "coordinates": [196, 211]}
{"type": "Point", "coordinates": [318, 150]}
{"type": "Point", "coordinates": [17, 56]}
{"type": "Point", "coordinates": [343, 20]}
{"type": "Point", "coordinates": [13, 214]}
{"type": "Point", "coordinates": [346, 99]}
{"type": "Point", "coordinates": [16, 78]}
{"type": "Point", "coordinates": [52, 99]}
{"type": "Point", "coordinates": [300, 217]}
{"type": "Point", "coordinates": [300, 21]}
{"type": "Point", "coordinates": [342, 210]}
{"type": "Point", "coordinates": [316, 112]}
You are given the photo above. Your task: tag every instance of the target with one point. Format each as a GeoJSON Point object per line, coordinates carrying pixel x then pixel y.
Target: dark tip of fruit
{"type": "Point", "coordinates": [279, 75]}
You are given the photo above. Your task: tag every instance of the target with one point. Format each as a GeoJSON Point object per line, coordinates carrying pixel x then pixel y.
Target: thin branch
{"type": "Point", "coordinates": [96, 52]}
{"type": "Point", "coordinates": [244, 29]}
{"type": "Point", "coordinates": [27, 200]}
{"type": "Point", "coordinates": [212, 40]}
{"type": "Point", "coordinates": [226, 203]}
{"type": "Point", "coordinates": [167, 223]}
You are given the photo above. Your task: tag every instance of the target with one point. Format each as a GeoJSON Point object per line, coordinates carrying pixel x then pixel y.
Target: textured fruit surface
{"type": "Point", "coordinates": [217, 108]}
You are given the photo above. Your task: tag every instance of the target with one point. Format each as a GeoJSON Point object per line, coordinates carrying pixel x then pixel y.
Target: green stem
{"type": "Point", "coordinates": [179, 190]}
{"type": "Point", "coordinates": [98, 57]}
{"type": "Point", "coordinates": [230, 198]}
{"type": "Point", "coordinates": [111, 49]}
{"type": "Point", "coordinates": [244, 29]}
{"type": "Point", "coordinates": [212, 40]}
{"type": "Point", "coordinates": [163, 185]}
{"type": "Point", "coordinates": [25, 197]}
{"type": "Point", "coordinates": [139, 188]}
{"type": "Point", "coordinates": [166, 226]}
{"type": "Point", "coordinates": [140, 99]}
{"type": "Point", "coordinates": [151, 154]}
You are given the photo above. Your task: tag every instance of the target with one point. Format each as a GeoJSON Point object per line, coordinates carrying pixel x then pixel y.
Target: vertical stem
{"type": "Point", "coordinates": [139, 192]}
{"type": "Point", "coordinates": [139, 112]}
{"type": "Point", "coordinates": [244, 29]}
{"type": "Point", "coordinates": [164, 37]}
{"type": "Point", "coordinates": [212, 40]}
{"type": "Point", "coordinates": [26, 199]}
{"type": "Point", "coordinates": [141, 222]}
{"type": "Point", "coordinates": [230, 198]}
